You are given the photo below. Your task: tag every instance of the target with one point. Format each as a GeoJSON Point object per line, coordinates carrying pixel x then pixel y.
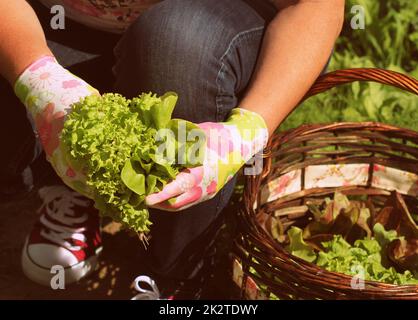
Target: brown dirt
{"type": "Point", "coordinates": [119, 263]}
{"type": "Point", "coordinates": [118, 266]}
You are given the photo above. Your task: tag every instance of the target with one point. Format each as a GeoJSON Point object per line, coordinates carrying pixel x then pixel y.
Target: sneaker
{"type": "Point", "coordinates": [67, 234]}
{"type": "Point", "coordinates": [153, 293]}
{"type": "Point", "coordinates": [174, 289]}
{"type": "Point", "coordinates": [182, 290]}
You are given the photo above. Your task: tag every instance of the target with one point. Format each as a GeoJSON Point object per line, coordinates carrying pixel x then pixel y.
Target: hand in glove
{"type": "Point", "coordinates": [229, 145]}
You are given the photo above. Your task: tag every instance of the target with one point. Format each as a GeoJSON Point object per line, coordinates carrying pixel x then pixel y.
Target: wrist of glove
{"type": "Point", "coordinates": [48, 90]}
{"type": "Point", "coordinates": [229, 145]}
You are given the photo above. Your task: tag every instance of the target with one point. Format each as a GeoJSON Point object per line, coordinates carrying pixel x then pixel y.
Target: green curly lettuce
{"type": "Point", "coordinates": [114, 142]}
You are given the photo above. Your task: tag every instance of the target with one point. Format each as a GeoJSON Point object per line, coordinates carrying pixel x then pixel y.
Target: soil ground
{"type": "Point", "coordinates": [119, 263]}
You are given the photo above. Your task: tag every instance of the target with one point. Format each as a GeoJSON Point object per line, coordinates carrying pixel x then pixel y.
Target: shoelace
{"type": "Point", "coordinates": [59, 203]}
{"type": "Point", "coordinates": [145, 294]}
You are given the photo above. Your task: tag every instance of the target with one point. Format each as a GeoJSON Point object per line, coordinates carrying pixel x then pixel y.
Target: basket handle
{"type": "Point", "coordinates": [339, 77]}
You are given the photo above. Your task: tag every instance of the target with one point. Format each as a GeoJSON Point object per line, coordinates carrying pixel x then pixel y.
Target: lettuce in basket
{"type": "Point", "coordinates": [367, 255]}
{"type": "Point", "coordinates": [114, 141]}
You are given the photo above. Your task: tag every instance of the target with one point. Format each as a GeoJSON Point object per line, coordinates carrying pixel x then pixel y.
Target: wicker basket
{"type": "Point", "coordinates": [311, 162]}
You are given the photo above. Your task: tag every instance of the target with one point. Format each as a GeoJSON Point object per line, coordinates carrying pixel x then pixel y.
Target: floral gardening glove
{"type": "Point", "coordinates": [229, 145]}
{"type": "Point", "coordinates": [48, 91]}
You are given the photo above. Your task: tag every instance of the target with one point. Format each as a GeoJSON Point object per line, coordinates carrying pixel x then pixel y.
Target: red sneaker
{"type": "Point", "coordinates": [67, 234]}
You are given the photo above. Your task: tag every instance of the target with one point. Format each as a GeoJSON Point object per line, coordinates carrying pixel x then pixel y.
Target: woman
{"type": "Point", "coordinates": [235, 64]}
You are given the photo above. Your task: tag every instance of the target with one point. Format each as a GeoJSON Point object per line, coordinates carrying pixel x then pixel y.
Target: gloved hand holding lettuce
{"type": "Point", "coordinates": [48, 90]}
{"type": "Point", "coordinates": [118, 151]}
{"type": "Point", "coordinates": [125, 150]}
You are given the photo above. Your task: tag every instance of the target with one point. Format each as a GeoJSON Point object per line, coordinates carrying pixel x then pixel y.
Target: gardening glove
{"type": "Point", "coordinates": [228, 146]}
{"type": "Point", "coordinates": [48, 90]}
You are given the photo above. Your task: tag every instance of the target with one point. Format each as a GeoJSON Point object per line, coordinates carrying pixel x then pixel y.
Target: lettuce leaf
{"type": "Point", "coordinates": [367, 255]}
{"type": "Point", "coordinates": [112, 140]}
{"type": "Point", "coordinates": [298, 247]}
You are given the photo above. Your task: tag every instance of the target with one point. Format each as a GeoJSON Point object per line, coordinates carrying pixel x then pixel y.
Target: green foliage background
{"type": "Point", "coordinates": [389, 41]}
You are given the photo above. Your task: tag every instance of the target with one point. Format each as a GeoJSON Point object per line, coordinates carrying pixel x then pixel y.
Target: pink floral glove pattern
{"type": "Point", "coordinates": [48, 91]}
{"type": "Point", "coordinates": [229, 145]}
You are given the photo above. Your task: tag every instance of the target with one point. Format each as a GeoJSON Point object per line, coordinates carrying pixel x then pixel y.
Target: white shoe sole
{"type": "Point", "coordinates": [43, 275]}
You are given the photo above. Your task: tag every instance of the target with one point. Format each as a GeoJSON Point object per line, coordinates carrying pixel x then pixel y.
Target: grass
{"type": "Point", "coordinates": [389, 41]}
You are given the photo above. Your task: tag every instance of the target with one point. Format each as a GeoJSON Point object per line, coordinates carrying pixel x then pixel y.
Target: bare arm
{"type": "Point", "coordinates": [22, 39]}
{"type": "Point", "coordinates": [296, 47]}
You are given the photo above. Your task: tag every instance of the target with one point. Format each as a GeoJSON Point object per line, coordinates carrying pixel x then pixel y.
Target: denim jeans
{"type": "Point", "coordinates": [206, 51]}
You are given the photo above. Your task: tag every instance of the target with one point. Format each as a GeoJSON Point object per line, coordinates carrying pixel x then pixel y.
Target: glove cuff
{"type": "Point", "coordinates": [46, 83]}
